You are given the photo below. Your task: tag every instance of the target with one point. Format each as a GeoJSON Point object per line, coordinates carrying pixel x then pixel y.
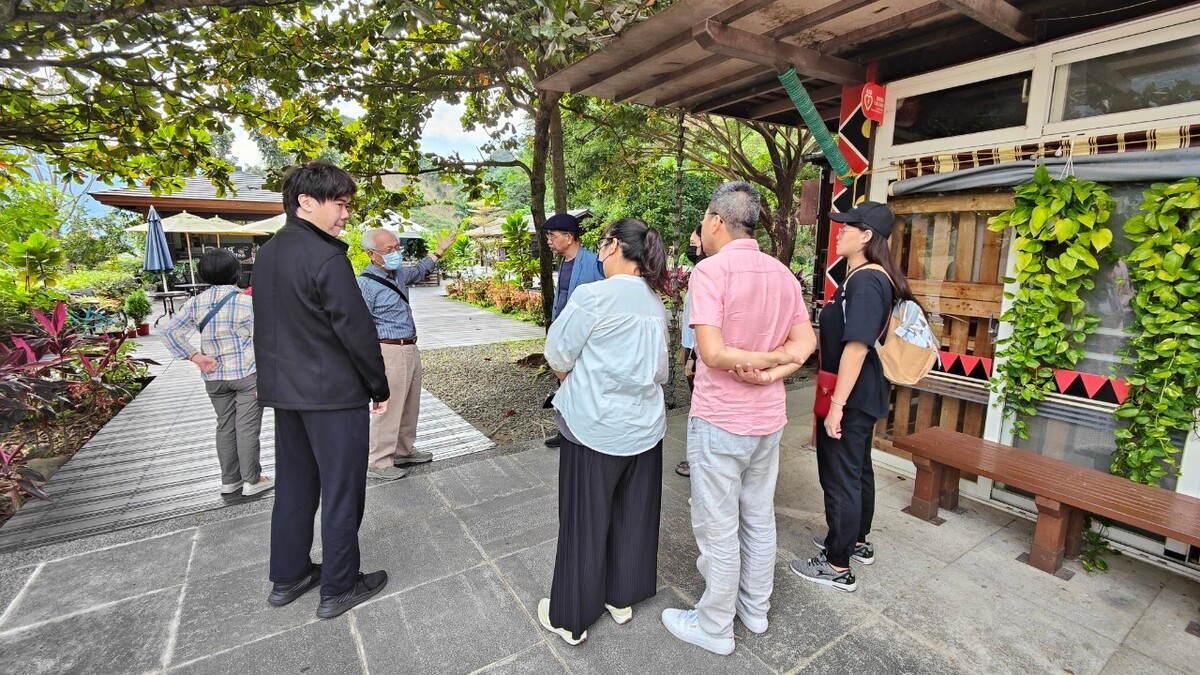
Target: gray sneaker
{"type": "Point", "coordinates": [389, 473]}
{"type": "Point", "coordinates": [819, 571]}
{"type": "Point", "coordinates": [418, 457]}
{"type": "Point", "coordinates": [863, 553]}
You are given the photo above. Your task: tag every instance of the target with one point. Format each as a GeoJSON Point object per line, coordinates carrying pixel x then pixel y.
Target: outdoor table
{"type": "Point", "coordinates": [168, 302]}
{"type": "Point", "coordinates": [192, 289]}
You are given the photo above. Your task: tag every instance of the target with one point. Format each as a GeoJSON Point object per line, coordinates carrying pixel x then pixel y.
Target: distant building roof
{"type": "Point", "coordinates": [494, 229]}
{"type": "Point", "coordinates": [248, 201]}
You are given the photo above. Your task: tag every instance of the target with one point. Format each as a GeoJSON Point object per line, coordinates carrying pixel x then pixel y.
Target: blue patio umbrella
{"type": "Point", "coordinates": [158, 256]}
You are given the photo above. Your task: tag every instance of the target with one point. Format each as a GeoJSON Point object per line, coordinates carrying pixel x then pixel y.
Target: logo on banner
{"type": "Point", "coordinates": [873, 96]}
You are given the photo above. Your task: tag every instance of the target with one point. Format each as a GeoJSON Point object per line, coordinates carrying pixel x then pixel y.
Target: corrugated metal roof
{"type": "Point", "coordinates": [248, 187]}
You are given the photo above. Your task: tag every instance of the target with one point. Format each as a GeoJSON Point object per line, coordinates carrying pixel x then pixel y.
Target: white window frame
{"type": "Point", "coordinates": [1042, 61]}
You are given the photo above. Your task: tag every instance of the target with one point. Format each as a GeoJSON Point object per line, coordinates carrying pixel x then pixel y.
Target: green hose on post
{"type": "Point", "coordinates": [816, 126]}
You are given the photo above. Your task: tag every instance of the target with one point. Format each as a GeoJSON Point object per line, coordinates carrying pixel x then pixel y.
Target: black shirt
{"type": "Point", "coordinates": [868, 305]}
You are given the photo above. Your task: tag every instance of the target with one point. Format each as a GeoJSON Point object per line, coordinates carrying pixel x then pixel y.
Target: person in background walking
{"type": "Point", "coordinates": [687, 334]}
{"type": "Point", "coordinates": [384, 286]}
{"type": "Point", "coordinates": [609, 347]}
{"type": "Point", "coordinates": [224, 318]}
{"type": "Point", "coordinates": [752, 330]}
{"type": "Point", "coordinates": [320, 367]}
{"type": "Point", "coordinates": [853, 319]}
{"type": "Point", "coordinates": [579, 266]}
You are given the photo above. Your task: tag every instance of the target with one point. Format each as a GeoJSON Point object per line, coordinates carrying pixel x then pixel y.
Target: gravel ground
{"type": "Point", "coordinates": [500, 388]}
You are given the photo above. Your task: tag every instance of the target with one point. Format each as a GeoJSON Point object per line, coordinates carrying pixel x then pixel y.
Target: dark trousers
{"type": "Point", "coordinates": [608, 511]}
{"type": "Point", "coordinates": [320, 458]}
{"type": "Point", "coordinates": [848, 481]}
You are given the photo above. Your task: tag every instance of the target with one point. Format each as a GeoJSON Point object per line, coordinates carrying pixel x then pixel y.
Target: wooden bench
{"type": "Point", "coordinates": [1064, 492]}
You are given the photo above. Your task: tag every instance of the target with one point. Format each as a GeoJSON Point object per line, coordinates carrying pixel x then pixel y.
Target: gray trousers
{"type": "Point", "coordinates": [239, 419]}
{"type": "Point", "coordinates": [733, 518]}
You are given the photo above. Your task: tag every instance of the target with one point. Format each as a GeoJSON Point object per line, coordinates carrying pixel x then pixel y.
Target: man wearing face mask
{"type": "Point", "coordinates": [384, 285]}
{"type": "Point", "coordinates": [687, 334]}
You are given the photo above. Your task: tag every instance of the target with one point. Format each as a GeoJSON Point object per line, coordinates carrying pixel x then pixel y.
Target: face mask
{"type": "Point", "coordinates": [391, 261]}
{"type": "Point", "coordinates": [694, 255]}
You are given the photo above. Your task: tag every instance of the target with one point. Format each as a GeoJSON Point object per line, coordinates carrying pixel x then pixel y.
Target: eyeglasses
{"type": "Point", "coordinates": [390, 249]}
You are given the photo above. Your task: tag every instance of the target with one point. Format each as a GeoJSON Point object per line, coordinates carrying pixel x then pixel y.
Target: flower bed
{"type": "Point", "coordinates": [501, 296]}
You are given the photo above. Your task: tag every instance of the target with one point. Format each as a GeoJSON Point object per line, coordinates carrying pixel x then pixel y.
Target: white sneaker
{"type": "Point", "coordinates": [230, 488]}
{"type": "Point", "coordinates": [262, 485]}
{"type": "Point", "coordinates": [622, 615]}
{"type": "Point", "coordinates": [544, 619]}
{"type": "Point", "coordinates": [685, 625]}
{"type": "Point", "coordinates": [756, 625]}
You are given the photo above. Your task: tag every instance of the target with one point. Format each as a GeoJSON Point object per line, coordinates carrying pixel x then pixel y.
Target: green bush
{"type": "Point", "coordinates": [138, 306]}
{"type": "Point", "coordinates": [109, 284]}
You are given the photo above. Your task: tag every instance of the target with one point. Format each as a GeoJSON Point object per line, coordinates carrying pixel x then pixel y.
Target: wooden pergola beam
{"type": "Point", "coordinates": [785, 104]}
{"type": "Point", "coordinates": [670, 44]}
{"type": "Point", "coordinates": [880, 28]}
{"type": "Point", "coordinates": [997, 15]}
{"type": "Point", "coordinates": [726, 40]}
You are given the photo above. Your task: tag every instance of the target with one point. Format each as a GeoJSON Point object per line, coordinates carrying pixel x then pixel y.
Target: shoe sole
{"type": "Point", "coordinates": [360, 601]}
{"type": "Point", "coordinates": [545, 623]}
{"type": "Point", "coordinates": [827, 582]}
{"type": "Point", "coordinates": [749, 628]}
{"type": "Point", "coordinates": [250, 493]}
{"type": "Point", "coordinates": [682, 638]}
{"type": "Point", "coordinates": [407, 462]}
{"type": "Point", "coordinates": [620, 622]}
{"type": "Point", "coordinates": [855, 558]}
{"type": "Point", "coordinates": [379, 476]}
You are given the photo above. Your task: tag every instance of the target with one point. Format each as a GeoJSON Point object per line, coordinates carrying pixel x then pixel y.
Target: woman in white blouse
{"type": "Point", "coordinates": [609, 347]}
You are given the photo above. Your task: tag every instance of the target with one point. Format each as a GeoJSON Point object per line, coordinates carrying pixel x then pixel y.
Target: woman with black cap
{"type": "Point", "coordinates": [851, 322]}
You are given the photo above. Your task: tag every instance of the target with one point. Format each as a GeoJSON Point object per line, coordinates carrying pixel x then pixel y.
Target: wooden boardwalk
{"type": "Point", "coordinates": [156, 459]}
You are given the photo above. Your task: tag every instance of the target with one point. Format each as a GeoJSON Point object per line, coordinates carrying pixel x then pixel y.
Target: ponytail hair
{"type": "Point", "coordinates": [878, 252]}
{"type": "Point", "coordinates": [644, 247]}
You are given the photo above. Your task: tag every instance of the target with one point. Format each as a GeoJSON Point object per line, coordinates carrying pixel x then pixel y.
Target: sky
{"type": "Point", "coordinates": [443, 134]}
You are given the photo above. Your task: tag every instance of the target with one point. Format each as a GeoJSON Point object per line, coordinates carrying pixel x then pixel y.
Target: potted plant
{"type": "Point", "coordinates": [138, 307]}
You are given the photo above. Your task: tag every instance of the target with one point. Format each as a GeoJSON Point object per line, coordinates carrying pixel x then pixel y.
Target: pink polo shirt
{"type": "Point", "coordinates": [755, 300]}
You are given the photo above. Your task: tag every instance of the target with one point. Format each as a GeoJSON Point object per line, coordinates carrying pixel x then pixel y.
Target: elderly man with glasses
{"type": "Point", "coordinates": [579, 266]}
{"type": "Point", "coordinates": [384, 285]}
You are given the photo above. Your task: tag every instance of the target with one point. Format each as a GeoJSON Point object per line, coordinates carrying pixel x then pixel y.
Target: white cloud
{"type": "Point", "coordinates": [443, 134]}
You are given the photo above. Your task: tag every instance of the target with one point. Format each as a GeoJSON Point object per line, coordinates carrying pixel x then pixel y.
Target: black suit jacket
{"type": "Point", "coordinates": [315, 345]}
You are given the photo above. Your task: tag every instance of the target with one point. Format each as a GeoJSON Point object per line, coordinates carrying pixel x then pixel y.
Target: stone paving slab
{"type": "Point", "coordinates": [470, 550]}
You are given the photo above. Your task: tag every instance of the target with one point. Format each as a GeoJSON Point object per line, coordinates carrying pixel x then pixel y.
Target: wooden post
{"type": "Point", "coordinates": [927, 488]}
{"type": "Point", "coordinates": [1050, 535]}
{"type": "Point", "coordinates": [948, 493]}
{"type": "Point", "coordinates": [1074, 544]}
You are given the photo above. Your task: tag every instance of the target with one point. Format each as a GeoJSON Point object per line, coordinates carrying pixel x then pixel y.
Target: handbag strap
{"type": "Point", "coordinates": [387, 283]}
{"type": "Point", "coordinates": [216, 308]}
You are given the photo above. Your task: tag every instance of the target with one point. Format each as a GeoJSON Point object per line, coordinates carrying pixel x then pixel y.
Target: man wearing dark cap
{"type": "Point", "coordinates": [579, 266]}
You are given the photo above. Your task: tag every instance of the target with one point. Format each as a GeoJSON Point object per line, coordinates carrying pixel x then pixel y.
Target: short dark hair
{"type": "Point", "coordinates": [738, 204]}
{"type": "Point", "coordinates": [320, 180]}
{"type": "Point", "coordinates": [219, 267]}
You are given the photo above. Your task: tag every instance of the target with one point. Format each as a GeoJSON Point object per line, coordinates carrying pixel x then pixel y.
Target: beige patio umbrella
{"type": "Point", "coordinates": [269, 226]}
{"type": "Point", "coordinates": [188, 224]}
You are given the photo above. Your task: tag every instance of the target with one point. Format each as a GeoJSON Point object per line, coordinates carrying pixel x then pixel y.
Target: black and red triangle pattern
{"type": "Point", "coordinates": [1100, 388]}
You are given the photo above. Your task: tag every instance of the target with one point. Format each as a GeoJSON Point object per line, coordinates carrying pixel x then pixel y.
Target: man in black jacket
{"type": "Point", "coordinates": [320, 367]}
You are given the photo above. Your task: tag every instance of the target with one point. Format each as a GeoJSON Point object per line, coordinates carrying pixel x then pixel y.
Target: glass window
{"type": "Point", "coordinates": [979, 106]}
{"type": "Point", "coordinates": [1149, 77]}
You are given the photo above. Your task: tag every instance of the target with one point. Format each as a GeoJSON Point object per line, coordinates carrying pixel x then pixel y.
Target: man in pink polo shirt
{"type": "Point", "coordinates": [752, 330]}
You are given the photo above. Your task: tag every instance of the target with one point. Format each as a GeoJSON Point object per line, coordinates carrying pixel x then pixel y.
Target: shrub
{"type": "Point", "coordinates": [138, 306]}
{"type": "Point", "coordinates": [113, 284]}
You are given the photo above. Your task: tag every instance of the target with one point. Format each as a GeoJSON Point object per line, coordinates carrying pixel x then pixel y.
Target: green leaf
{"type": "Point", "coordinates": [1065, 228]}
{"type": "Point", "coordinates": [1101, 239]}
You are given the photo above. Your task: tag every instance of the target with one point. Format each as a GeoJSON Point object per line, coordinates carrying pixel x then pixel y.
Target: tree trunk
{"type": "Point", "coordinates": [558, 168]}
{"type": "Point", "coordinates": [782, 226]}
{"type": "Point", "coordinates": [546, 102]}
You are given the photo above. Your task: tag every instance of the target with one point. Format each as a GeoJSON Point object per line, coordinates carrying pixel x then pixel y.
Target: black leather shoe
{"type": "Point", "coordinates": [282, 594]}
{"type": "Point", "coordinates": [554, 441]}
{"type": "Point", "coordinates": [366, 586]}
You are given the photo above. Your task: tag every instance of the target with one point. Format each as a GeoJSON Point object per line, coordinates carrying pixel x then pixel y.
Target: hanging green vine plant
{"type": "Point", "coordinates": [1164, 350]}
{"type": "Point", "coordinates": [1059, 226]}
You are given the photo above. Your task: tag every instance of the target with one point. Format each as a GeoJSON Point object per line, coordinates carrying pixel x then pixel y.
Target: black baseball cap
{"type": "Point", "coordinates": [870, 215]}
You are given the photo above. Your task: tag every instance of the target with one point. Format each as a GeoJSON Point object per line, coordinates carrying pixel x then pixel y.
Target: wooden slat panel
{"type": "Point", "coordinates": [952, 203]}
{"type": "Point", "coordinates": [974, 308]}
{"type": "Point", "coordinates": [939, 255]}
{"type": "Point", "coordinates": [916, 248]}
{"type": "Point", "coordinates": [901, 426]}
{"type": "Point", "coordinates": [1168, 513]}
{"type": "Point", "coordinates": [951, 289]}
{"type": "Point", "coordinates": [926, 403]}
{"type": "Point", "coordinates": [964, 247]}
{"type": "Point", "coordinates": [989, 258]}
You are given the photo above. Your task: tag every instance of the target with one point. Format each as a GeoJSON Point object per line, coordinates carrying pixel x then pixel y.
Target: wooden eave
{"type": "Point", "coordinates": [722, 56]}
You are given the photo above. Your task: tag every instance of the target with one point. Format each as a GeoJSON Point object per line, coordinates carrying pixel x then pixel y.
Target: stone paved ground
{"type": "Point", "coordinates": [470, 547]}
